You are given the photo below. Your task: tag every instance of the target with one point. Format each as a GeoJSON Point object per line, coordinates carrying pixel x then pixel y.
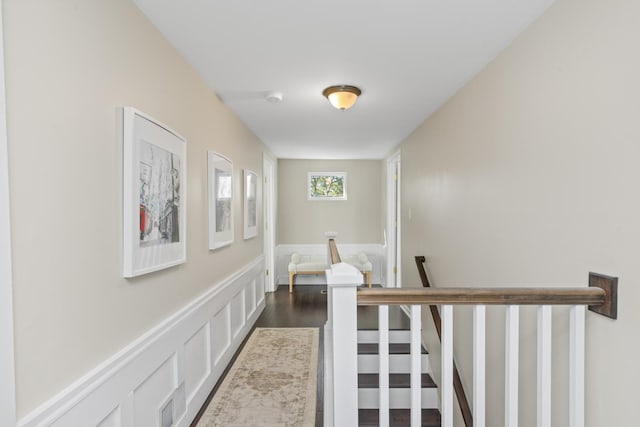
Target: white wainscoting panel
{"type": "Point", "coordinates": [260, 290]}
{"type": "Point", "coordinates": [250, 299]}
{"type": "Point", "coordinates": [111, 420]}
{"type": "Point", "coordinates": [171, 369]}
{"type": "Point", "coordinates": [237, 313]}
{"type": "Point", "coordinates": [375, 253]}
{"type": "Point", "coordinates": [197, 351]}
{"type": "Point", "coordinates": [153, 391]}
{"type": "Point", "coordinates": [221, 333]}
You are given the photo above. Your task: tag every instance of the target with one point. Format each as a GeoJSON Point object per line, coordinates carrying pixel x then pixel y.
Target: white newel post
{"type": "Point", "coordinates": [341, 346]}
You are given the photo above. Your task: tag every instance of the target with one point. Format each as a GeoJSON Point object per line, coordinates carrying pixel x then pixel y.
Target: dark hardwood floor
{"type": "Point", "coordinates": [306, 307]}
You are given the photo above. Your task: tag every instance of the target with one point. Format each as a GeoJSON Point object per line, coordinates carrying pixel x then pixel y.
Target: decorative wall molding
{"type": "Point", "coordinates": [171, 368]}
{"type": "Point", "coordinates": [375, 252]}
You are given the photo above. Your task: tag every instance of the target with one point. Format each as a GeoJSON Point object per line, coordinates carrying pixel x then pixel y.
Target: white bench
{"type": "Point", "coordinates": [309, 264]}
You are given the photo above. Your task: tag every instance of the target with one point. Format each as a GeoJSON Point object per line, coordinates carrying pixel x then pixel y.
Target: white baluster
{"type": "Point", "coordinates": [416, 366]}
{"type": "Point", "coordinates": [544, 366]}
{"type": "Point", "coordinates": [383, 371]}
{"type": "Point", "coordinates": [511, 362]}
{"type": "Point", "coordinates": [479, 365]}
{"type": "Point", "coordinates": [447, 366]}
{"type": "Point", "coordinates": [577, 366]}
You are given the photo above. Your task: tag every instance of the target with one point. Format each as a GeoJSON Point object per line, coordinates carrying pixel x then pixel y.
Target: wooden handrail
{"type": "Point", "coordinates": [485, 296]}
{"type": "Point", "coordinates": [333, 252]}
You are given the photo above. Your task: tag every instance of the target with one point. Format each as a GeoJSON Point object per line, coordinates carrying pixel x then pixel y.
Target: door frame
{"type": "Point", "coordinates": [269, 210]}
{"type": "Point", "coordinates": [394, 223]}
{"type": "Point", "coordinates": [7, 363]}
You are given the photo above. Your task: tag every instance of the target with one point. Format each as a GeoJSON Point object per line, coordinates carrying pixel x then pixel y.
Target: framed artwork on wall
{"type": "Point", "coordinates": [220, 188]}
{"type": "Point", "coordinates": [327, 186]}
{"type": "Point", "coordinates": [154, 195]}
{"type": "Point", "coordinates": [250, 204]}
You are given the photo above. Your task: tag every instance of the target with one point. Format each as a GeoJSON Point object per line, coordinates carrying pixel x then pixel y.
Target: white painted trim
{"type": "Point", "coordinates": [577, 346]}
{"type": "Point", "coordinates": [512, 354]}
{"type": "Point", "coordinates": [393, 233]}
{"type": "Point", "coordinates": [342, 311]}
{"type": "Point", "coordinates": [479, 365]}
{"type": "Point", "coordinates": [416, 368]}
{"type": "Point", "coordinates": [269, 215]}
{"type": "Point", "coordinates": [7, 365]}
{"type": "Point", "coordinates": [544, 366]}
{"type": "Point", "coordinates": [383, 367]}
{"type": "Point", "coordinates": [446, 349]}
{"type": "Point", "coordinates": [110, 386]}
{"type": "Point", "coordinates": [374, 251]}
{"type": "Point", "coordinates": [321, 248]}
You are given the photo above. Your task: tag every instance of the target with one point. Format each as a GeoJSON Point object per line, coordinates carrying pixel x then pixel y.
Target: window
{"type": "Point", "coordinates": [327, 185]}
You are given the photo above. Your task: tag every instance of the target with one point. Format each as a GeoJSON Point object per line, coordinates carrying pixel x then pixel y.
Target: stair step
{"type": "Point", "coordinates": [399, 398]}
{"type": "Point", "coordinates": [398, 417]}
{"type": "Point", "coordinates": [395, 336]}
{"type": "Point", "coordinates": [395, 381]}
{"type": "Point", "coordinates": [394, 348]}
{"type": "Point", "coordinates": [399, 391]}
{"type": "Point", "coordinates": [398, 363]}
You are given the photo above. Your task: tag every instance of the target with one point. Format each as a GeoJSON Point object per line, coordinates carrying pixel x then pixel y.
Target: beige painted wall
{"type": "Point", "coordinates": [357, 220]}
{"type": "Point", "coordinates": [70, 66]}
{"type": "Point", "coordinates": [529, 176]}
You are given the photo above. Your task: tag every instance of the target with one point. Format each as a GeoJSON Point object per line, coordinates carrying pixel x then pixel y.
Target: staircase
{"type": "Point", "coordinates": [399, 384]}
{"type": "Point", "coordinates": [351, 381]}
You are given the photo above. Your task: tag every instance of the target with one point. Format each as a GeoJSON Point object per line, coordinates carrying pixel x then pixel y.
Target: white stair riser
{"type": "Point", "coordinates": [399, 398]}
{"type": "Point", "coordinates": [395, 337]}
{"type": "Point", "coordinates": [398, 364]}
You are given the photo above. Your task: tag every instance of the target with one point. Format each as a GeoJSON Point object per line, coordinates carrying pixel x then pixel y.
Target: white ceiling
{"type": "Point", "coordinates": [407, 56]}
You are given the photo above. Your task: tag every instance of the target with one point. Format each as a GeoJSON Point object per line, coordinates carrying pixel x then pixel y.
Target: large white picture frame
{"type": "Point", "coordinates": [250, 204]}
{"type": "Point", "coordinates": [154, 192]}
{"type": "Point", "coordinates": [220, 188]}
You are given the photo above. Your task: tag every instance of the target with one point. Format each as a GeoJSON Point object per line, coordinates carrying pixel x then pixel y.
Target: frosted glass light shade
{"type": "Point", "coordinates": [342, 97]}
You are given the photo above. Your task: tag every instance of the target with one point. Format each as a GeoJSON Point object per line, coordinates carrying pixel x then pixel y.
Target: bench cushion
{"type": "Point", "coordinates": [306, 263]}
{"type": "Point", "coordinates": [359, 261]}
{"type": "Point", "coordinates": [302, 267]}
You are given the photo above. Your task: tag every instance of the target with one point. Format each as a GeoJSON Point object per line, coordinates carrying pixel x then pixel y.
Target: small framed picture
{"type": "Point", "coordinates": [220, 192]}
{"type": "Point", "coordinates": [327, 186]}
{"type": "Point", "coordinates": [154, 193]}
{"type": "Point", "coordinates": [250, 204]}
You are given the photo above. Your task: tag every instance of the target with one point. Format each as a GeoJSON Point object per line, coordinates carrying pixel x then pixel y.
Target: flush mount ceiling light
{"type": "Point", "coordinates": [342, 96]}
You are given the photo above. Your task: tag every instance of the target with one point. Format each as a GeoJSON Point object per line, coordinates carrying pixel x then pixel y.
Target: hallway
{"type": "Point", "coordinates": [306, 307]}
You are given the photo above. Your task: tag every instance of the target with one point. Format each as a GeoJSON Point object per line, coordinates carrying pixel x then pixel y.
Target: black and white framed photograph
{"type": "Point", "coordinates": [250, 204]}
{"type": "Point", "coordinates": [220, 187]}
{"type": "Point", "coordinates": [154, 193]}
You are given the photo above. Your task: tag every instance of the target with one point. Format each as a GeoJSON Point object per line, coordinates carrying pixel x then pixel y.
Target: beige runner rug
{"type": "Point", "coordinates": [271, 383]}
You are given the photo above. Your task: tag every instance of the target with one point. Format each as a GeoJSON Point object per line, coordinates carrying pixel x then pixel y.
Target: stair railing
{"type": "Point", "coordinates": [341, 343]}
{"type": "Point", "coordinates": [463, 402]}
{"type": "Point", "coordinates": [341, 400]}
{"type": "Point", "coordinates": [334, 255]}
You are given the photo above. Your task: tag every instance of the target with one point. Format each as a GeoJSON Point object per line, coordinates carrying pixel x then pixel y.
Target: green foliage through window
{"type": "Point", "coordinates": [327, 186]}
